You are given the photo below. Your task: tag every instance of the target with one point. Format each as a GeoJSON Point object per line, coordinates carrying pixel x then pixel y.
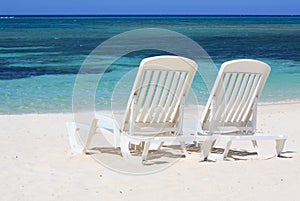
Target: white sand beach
{"type": "Point", "coordinates": [37, 164]}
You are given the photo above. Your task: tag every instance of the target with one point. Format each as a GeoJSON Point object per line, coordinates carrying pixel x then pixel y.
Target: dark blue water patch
{"type": "Point", "coordinates": [275, 47]}
{"type": "Point", "coordinates": [8, 73]}
{"type": "Point", "coordinates": [268, 46]}
{"type": "Point", "coordinates": [54, 43]}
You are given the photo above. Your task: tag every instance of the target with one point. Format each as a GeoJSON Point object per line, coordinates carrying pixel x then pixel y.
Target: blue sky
{"type": "Point", "coordinates": [267, 7]}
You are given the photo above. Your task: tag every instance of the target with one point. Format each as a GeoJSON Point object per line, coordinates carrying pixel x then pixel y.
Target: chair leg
{"type": "Point", "coordinates": [206, 147]}
{"type": "Point", "coordinates": [145, 151]}
{"type": "Point", "coordinates": [227, 149]}
{"type": "Point", "coordinates": [160, 145]}
{"type": "Point", "coordinates": [124, 143]}
{"type": "Point", "coordinates": [72, 132]}
{"type": "Point", "coordinates": [92, 131]}
{"type": "Point", "coordinates": [255, 145]}
{"type": "Point", "coordinates": [183, 148]}
{"type": "Point", "coordinates": [213, 144]}
{"type": "Point", "coordinates": [279, 146]}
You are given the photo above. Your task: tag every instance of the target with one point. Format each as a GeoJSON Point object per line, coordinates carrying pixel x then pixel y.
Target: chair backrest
{"type": "Point", "coordinates": [233, 98]}
{"type": "Point", "coordinates": [158, 93]}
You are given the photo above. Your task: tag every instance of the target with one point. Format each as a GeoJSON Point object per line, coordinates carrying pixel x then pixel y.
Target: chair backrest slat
{"type": "Point", "coordinates": [230, 105]}
{"type": "Point", "coordinates": [252, 96]}
{"type": "Point", "coordinates": [142, 91]}
{"type": "Point", "coordinates": [150, 87]}
{"type": "Point", "coordinates": [161, 104]}
{"type": "Point", "coordinates": [224, 99]}
{"type": "Point", "coordinates": [178, 93]}
{"type": "Point", "coordinates": [244, 99]}
{"type": "Point", "coordinates": [238, 99]}
{"type": "Point", "coordinates": [248, 99]}
{"type": "Point", "coordinates": [154, 109]}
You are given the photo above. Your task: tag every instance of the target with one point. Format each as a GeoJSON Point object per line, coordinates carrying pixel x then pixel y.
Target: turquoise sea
{"type": "Point", "coordinates": [41, 55]}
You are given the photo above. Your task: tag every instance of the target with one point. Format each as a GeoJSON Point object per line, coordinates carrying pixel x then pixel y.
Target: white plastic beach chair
{"type": "Point", "coordinates": [155, 108]}
{"type": "Point", "coordinates": [231, 110]}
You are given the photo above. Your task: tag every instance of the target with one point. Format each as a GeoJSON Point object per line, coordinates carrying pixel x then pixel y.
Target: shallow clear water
{"type": "Point", "coordinates": [40, 56]}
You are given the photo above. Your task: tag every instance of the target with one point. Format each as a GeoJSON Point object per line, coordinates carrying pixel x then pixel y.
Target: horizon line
{"type": "Point", "coordinates": [150, 15]}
